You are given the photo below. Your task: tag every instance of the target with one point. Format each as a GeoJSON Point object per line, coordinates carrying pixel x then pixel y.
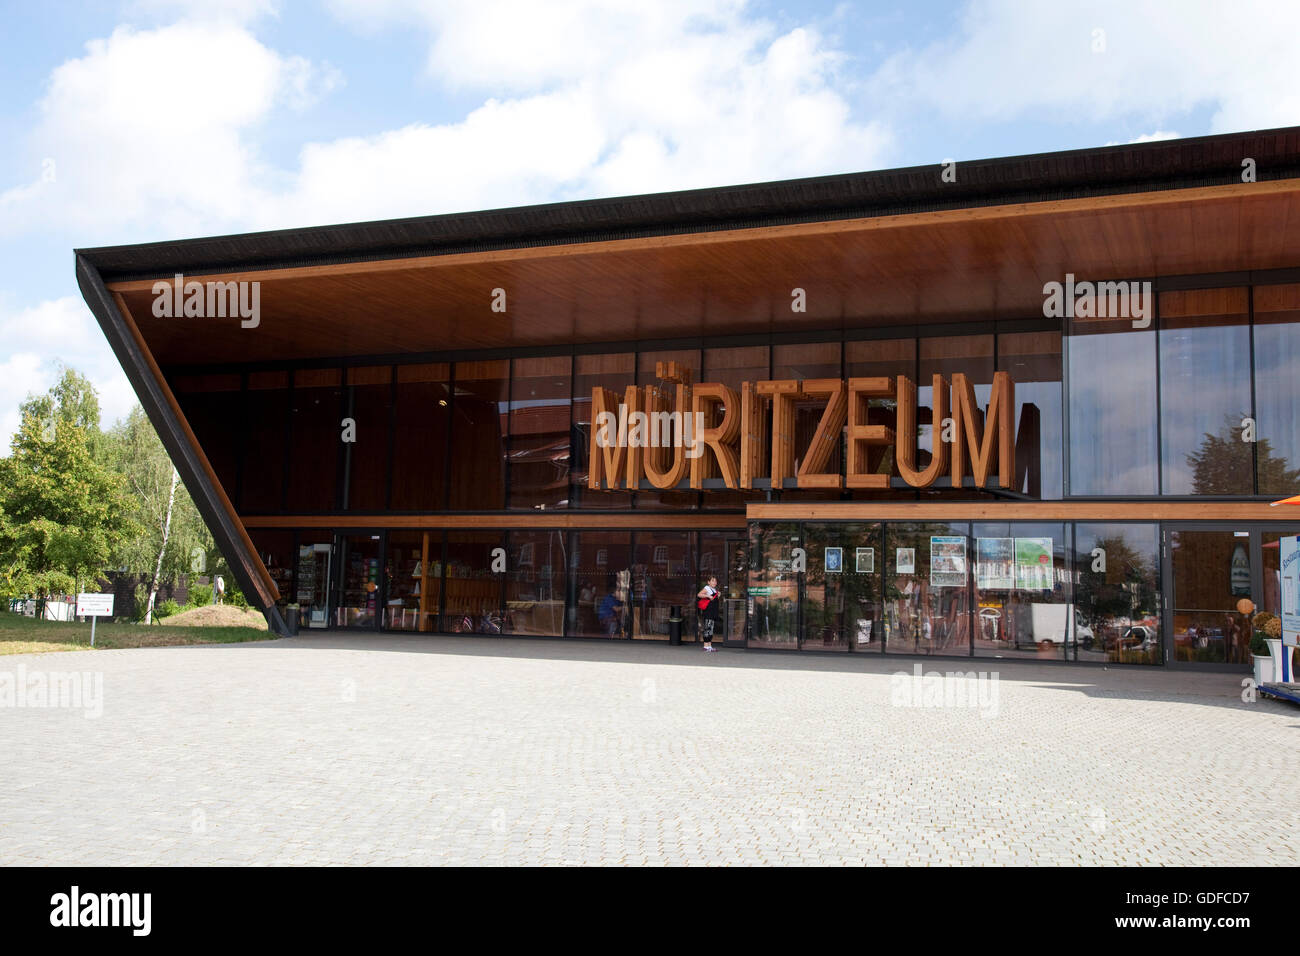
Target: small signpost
{"type": "Point", "coordinates": [93, 606]}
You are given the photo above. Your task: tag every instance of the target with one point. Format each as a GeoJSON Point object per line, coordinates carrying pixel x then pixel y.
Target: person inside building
{"type": "Point", "coordinates": [707, 602]}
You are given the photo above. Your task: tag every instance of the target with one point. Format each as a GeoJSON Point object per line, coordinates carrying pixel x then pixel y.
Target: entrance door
{"type": "Point", "coordinates": [734, 591]}
{"type": "Point", "coordinates": [314, 593]}
{"type": "Point", "coordinates": [1211, 571]}
{"type": "Point", "coordinates": [360, 588]}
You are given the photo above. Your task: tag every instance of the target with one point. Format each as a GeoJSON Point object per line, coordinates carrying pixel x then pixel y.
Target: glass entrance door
{"type": "Point", "coordinates": [359, 592]}
{"type": "Point", "coordinates": [734, 591]}
{"type": "Point", "coordinates": [1212, 572]}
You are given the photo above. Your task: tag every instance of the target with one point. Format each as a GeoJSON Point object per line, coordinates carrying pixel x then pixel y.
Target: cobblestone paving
{"type": "Point", "coordinates": [388, 750]}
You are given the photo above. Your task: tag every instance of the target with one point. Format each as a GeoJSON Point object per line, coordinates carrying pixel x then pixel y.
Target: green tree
{"type": "Point", "coordinates": [1222, 464]}
{"type": "Point", "coordinates": [173, 539]}
{"type": "Point", "coordinates": [64, 512]}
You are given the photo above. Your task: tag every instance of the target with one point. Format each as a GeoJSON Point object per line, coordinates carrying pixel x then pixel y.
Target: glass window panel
{"type": "Point", "coordinates": [1117, 616]}
{"type": "Point", "coordinates": [1211, 573]}
{"type": "Point", "coordinates": [275, 548]}
{"type": "Point", "coordinates": [663, 577]}
{"type": "Point", "coordinates": [262, 482]}
{"type": "Point", "coordinates": [1277, 388]}
{"type": "Point", "coordinates": [773, 585]}
{"type": "Point", "coordinates": [1112, 408]}
{"type": "Point", "coordinates": [926, 591]}
{"type": "Point", "coordinates": [1022, 601]}
{"type": "Point", "coordinates": [472, 590]}
{"type": "Point", "coordinates": [1033, 360]}
{"type": "Point", "coordinates": [881, 358]}
{"type": "Point", "coordinates": [413, 572]}
{"type": "Point", "coordinates": [315, 439]}
{"type": "Point", "coordinates": [841, 604]}
{"type": "Point", "coordinates": [421, 423]}
{"type": "Point", "coordinates": [972, 355]}
{"type": "Point", "coordinates": [540, 399]}
{"type": "Point", "coordinates": [1205, 392]}
{"type": "Point", "coordinates": [371, 391]}
{"type": "Point", "coordinates": [359, 582]}
{"type": "Point", "coordinates": [535, 583]}
{"type": "Point", "coordinates": [600, 563]}
{"type": "Point", "coordinates": [213, 406]}
{"type": "Point", "coordinates": [615, 371]}
{"type": "Point", "coordinates": [680, 499]}
{"type": "Point", "coordinates": [731, 367]}
{"type": "Point", "coordinates": [480, 424]}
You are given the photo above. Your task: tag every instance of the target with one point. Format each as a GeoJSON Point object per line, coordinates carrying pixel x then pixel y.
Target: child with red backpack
{"type": "Point", "coordinates": [707, 604]}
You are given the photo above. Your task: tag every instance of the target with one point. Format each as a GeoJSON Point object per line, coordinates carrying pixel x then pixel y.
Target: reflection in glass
{"type": "Point", "coordinates": [614, 371]}
{"type": "Point", "coordinates": [1117, 593]}
{"type": "Point", "coordinates": [472, 603]}
{"type": "Point", "coordinates": [535, 582]}
{"type": "Point", "coordinates": [1277, 388]}
{"type": "Point", "coordinates": [1111, 407]}
{"type": "Point", "coordinates": [927, 573]}
{"type": "Point", "coordinates": [1205, 392]}
{"type": "Point", "coordinates": [600, 567]}
{"type": "Point", "coordinates": [662, 577]}
{"type": "Point", "coordinates": [413, 573]}
{"type": "Point", "coordinates": [1211, 571]}
{"type": "Point", "coordinates": [841, 606]}
{"type": "Point", "coordinates": [1022, 604]}
{"type": "Point", "coordinates": [773, 585]}
{"type": "Point", "coordinates": [315, 414]}
{"type": "Point", "coordinates": [478, 436]}
{"type": "Point", "coordinates": [1033, 360]}
{"type": "Point", "coordinates": [539, 432]}
{"type": "Point", "coordinates": [264, 448]}
{"type": "Point", "coordinates": [422, 421]}
{"type": "Point", "coordinates": [371, 391]}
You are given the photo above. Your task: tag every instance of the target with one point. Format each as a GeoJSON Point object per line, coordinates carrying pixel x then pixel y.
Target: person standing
{"type": "Point", "coordinates": [707, 602]}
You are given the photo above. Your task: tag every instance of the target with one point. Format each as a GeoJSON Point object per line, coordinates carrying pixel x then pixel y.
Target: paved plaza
{"type": "Point", "coordinates": [348, 749]}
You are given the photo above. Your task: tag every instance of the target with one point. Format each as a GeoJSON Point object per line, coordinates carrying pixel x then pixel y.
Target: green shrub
{"type": "Point", "coordinates": [200, 594]}
{"type": "Point", "coordinates": [1257, 645]}
{"type": "Point", "coordinates": [167, 608]}
{"type": "Point", "coordinates": [141, 602]}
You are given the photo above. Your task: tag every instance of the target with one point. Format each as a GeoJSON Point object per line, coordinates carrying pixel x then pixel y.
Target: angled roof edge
{"type": "Point", "coordinates": [1074, 174]}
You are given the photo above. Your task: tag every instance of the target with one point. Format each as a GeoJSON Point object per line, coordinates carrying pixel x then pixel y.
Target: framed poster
{"type": "Point", "coordinates": [834, 558]}
{"type": "Point", "coordinates": [995, 568]}
{"type": "Point", "coordinates": [866, 560]}
{"type": "Point", "coordinates": [947, 561]}
{"type": "Point", "coordinates": [1289, 555]}
{"type": "Point", "coordinates": [905, 561]}
{"type": "Point", "coordinates": [1034, 564]}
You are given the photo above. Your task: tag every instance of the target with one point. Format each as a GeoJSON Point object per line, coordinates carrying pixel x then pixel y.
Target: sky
{"type": "Point", "coordinates": [150, 120]}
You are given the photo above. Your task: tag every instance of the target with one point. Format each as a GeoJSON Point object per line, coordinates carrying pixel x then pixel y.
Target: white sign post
{"type": "Point", "coordinates": [94, 606]}
{"type": "Point", "coordinates": [1290, 561]}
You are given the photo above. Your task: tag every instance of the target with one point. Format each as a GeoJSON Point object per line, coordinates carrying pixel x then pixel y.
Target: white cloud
{"type": "Point", "coordinates": [37, 340]}
{"type": "Point", "coordinates": [153, 128]}
{"type": "Point", "coordinates": [1010, 59]}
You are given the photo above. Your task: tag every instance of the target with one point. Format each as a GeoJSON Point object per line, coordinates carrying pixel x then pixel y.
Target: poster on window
{"type": "Point", "coordinates": [1034, 564]}
{"type": "Point", "coordinates": [947, 561]}
{"type": "Point", "coordinates": [834, 560]}
{"type": "Point", "coordinates": [905, 561]}
{"type": "Point", "coordinates": [1289, 548]}
{"type": "Point", "coordinates": [866, 560]}
{"type": "Point", "coordinates": [995, 568]}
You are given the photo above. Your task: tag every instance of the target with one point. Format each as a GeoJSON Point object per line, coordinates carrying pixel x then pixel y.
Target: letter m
{"type": "Point", "coordinates": [968, 421]}
{"type": "Point", "coordinates": [613, 461]}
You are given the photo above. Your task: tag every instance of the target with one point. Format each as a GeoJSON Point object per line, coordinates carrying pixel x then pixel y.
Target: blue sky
{"type": "Point", "coordinates": [160, 119]}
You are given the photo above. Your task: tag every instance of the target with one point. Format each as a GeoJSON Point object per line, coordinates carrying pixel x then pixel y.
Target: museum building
{"type": "Point", "coordinates": [1032, 407]}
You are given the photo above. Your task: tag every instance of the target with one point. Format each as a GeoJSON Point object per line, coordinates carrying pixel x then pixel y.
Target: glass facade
{"type": "Point", "coordinates": [1201, 402]}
